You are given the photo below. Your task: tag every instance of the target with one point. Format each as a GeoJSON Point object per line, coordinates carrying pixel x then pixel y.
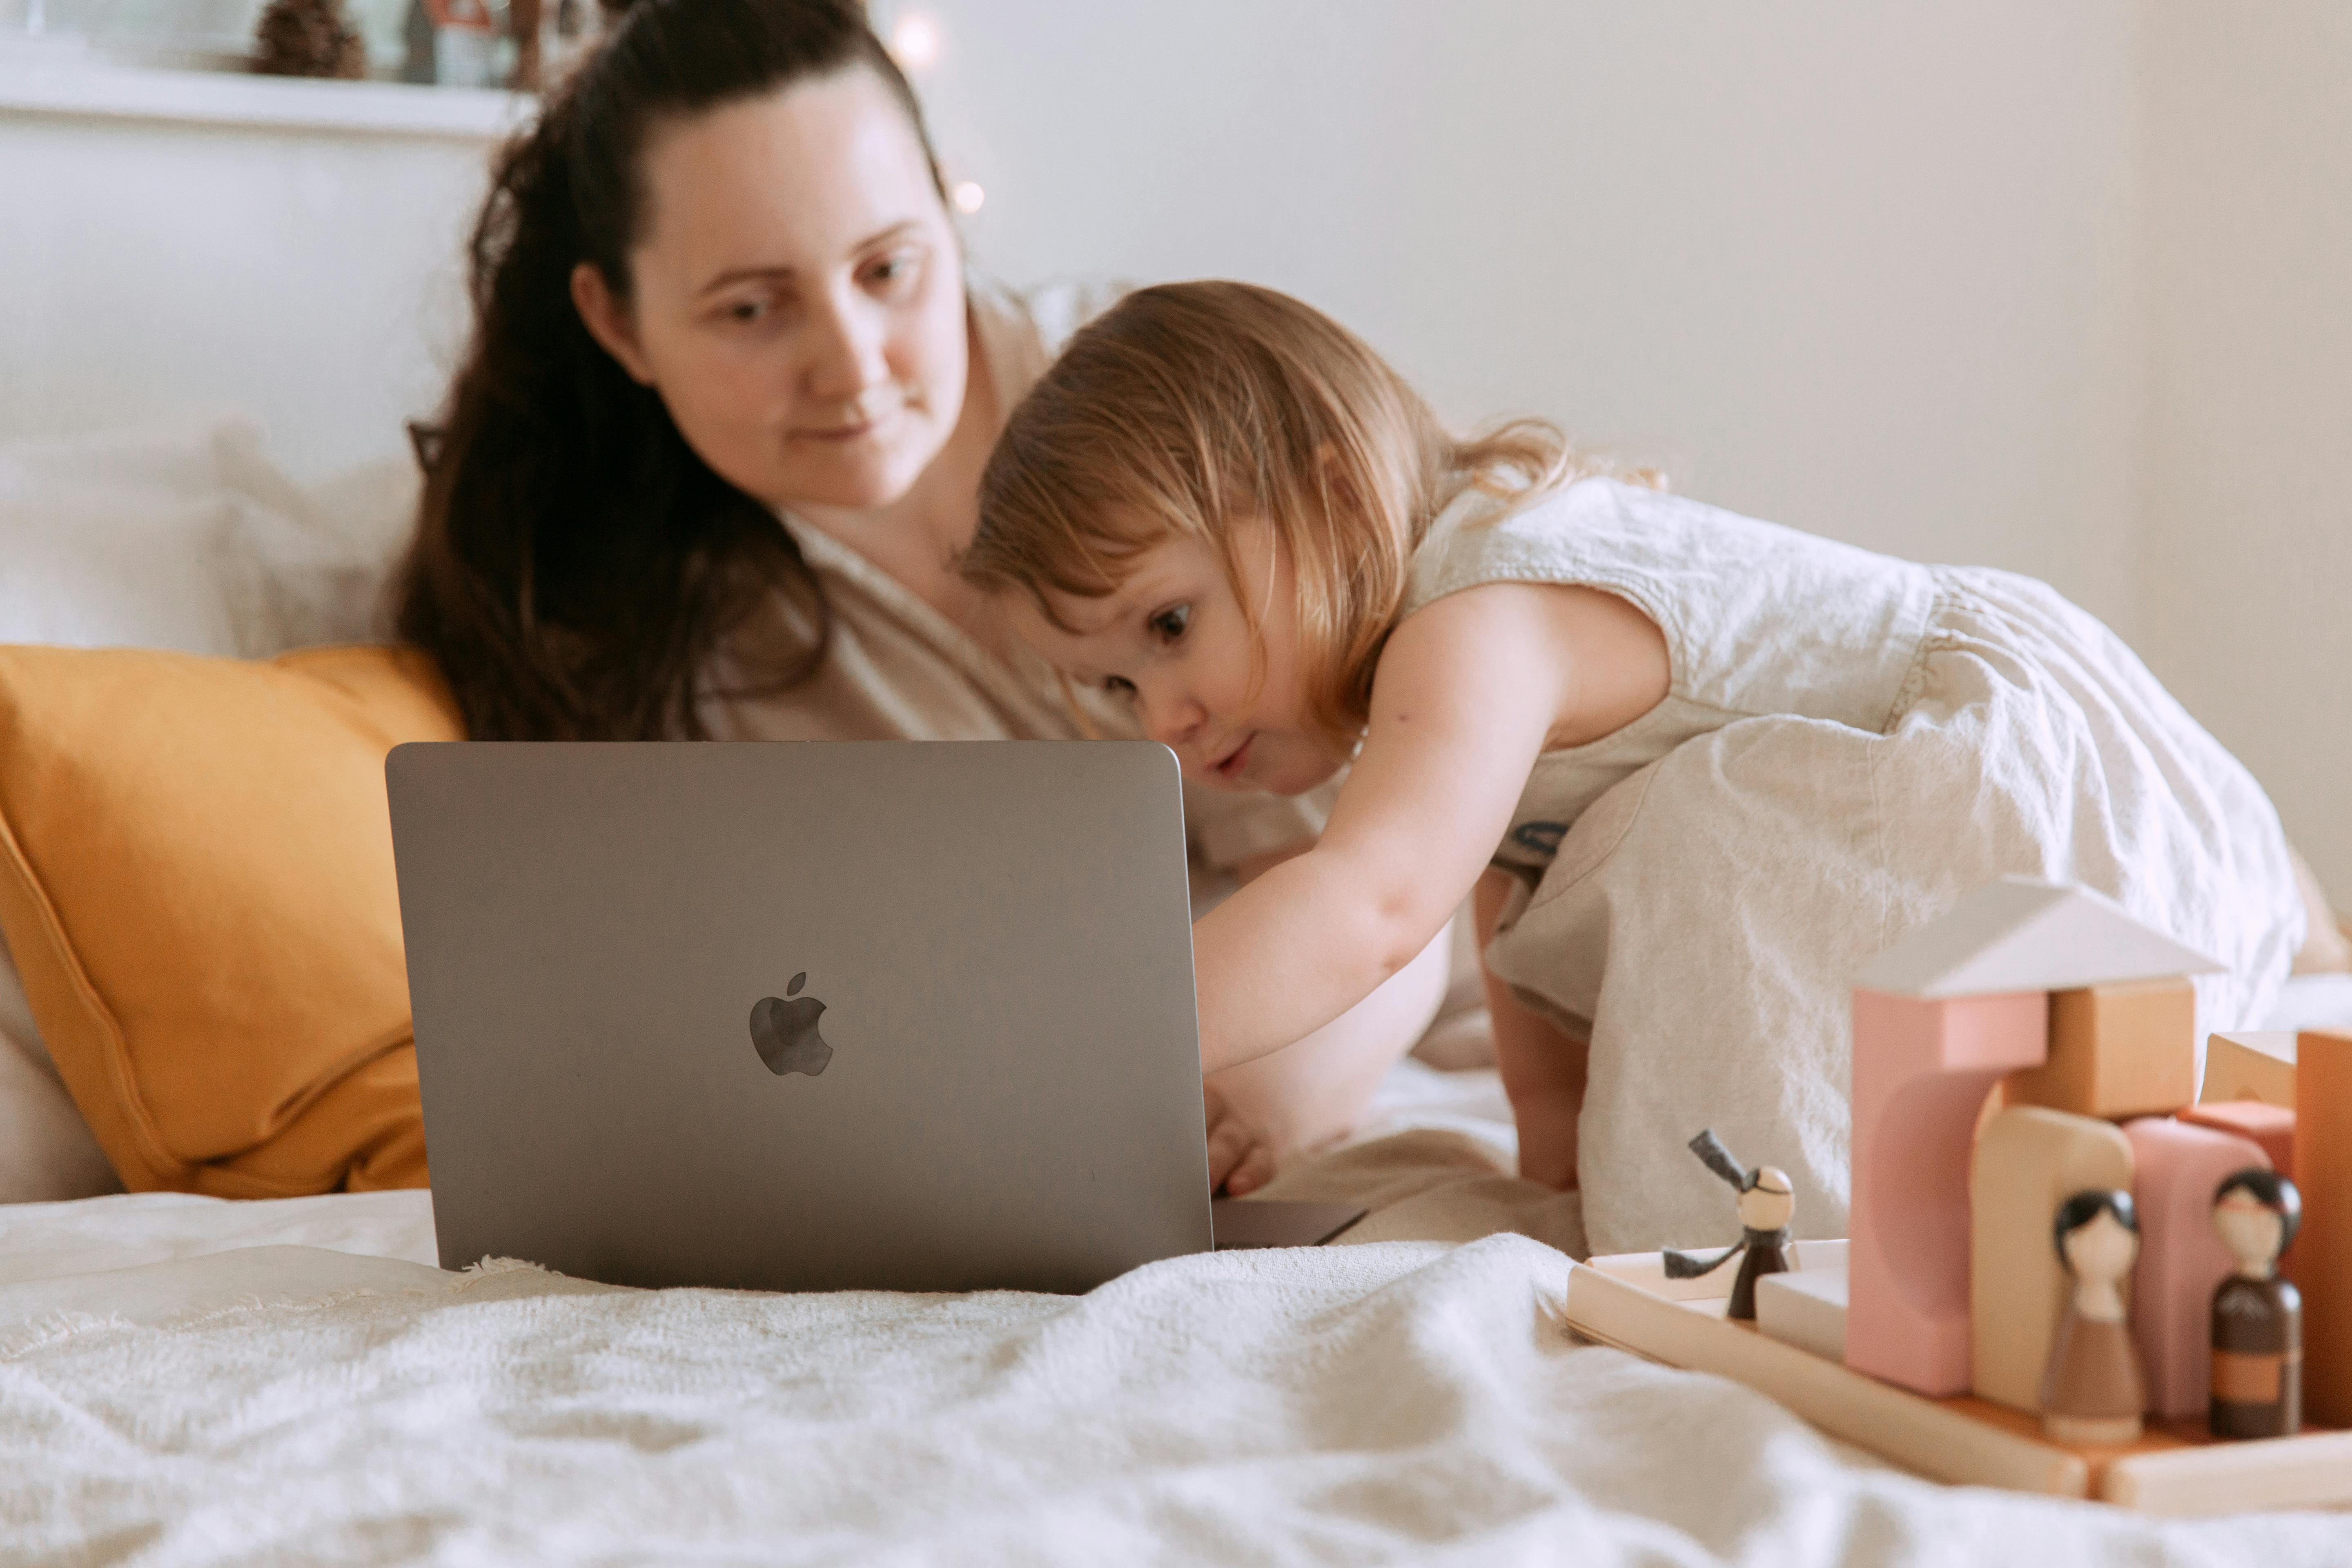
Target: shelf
{"type": "Point", "coordinates": [99, 91]}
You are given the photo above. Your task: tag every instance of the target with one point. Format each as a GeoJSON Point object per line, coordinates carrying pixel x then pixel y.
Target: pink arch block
{"type": "Point", "coordinates": [1921, 1072]}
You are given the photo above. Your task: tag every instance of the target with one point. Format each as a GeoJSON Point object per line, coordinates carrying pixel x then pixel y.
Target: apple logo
{"type": "Point", "coordinates": [786, 1032]}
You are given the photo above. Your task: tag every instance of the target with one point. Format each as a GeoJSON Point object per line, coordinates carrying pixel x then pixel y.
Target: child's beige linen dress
{"type": "Point", "coordinates": [1850, 743]}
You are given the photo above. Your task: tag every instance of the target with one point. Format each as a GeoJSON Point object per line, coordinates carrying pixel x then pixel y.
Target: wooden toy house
{"type": "Point", "coordinates": [2035, 1042]}
{"type": "Point", "coordinates": [2052, 984]}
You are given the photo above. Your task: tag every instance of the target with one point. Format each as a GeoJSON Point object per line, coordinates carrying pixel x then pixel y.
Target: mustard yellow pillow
{"type": "Point", "coordinates": [196, 884]}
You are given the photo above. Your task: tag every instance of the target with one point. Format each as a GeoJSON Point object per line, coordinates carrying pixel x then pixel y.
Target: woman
{"type": "Point", "coordinates": [717, 442]}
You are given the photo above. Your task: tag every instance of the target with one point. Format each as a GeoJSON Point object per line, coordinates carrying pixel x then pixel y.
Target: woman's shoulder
{"type": "Point", "coordinates": [1025, 329]}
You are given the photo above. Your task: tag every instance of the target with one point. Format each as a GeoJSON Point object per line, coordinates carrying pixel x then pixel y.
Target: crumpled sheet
{"type": "Point", "coordinates": [1388, 1400]}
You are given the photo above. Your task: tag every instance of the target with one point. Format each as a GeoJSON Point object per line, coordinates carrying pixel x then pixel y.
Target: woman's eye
{"type": "Point", "coordinates": [745, 312]}
{"type": "Point", "coordinates": [1169, 624]}
{"type": "Point", "coordinates": [893, 270]}
{"type": "Point", "coordinates": [1118, 686]}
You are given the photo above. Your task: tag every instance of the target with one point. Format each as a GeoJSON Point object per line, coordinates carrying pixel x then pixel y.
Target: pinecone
{"type": "Point", "coordinates": [308, 38]}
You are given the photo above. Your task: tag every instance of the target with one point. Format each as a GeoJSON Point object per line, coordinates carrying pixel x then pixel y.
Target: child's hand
{"type": "Point", "coordinates": [1240, 1158]}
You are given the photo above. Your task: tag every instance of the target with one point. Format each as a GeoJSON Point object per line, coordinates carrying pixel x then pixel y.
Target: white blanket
{"type": "Point", "coordinates": [338, 1400]}
{"type": "Point", "coordinates": [1353, 1404]}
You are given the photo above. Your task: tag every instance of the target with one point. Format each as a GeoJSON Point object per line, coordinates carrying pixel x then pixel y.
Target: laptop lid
{"type": "Point", "coordinates": [895, 1016]}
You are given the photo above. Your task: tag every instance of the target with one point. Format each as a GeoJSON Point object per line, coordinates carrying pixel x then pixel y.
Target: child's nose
{"type": "Point", "coordinates": [1170, 717]}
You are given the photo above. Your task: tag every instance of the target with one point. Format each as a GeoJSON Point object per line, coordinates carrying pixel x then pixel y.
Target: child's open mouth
{"type": "Point", "coordinates": [1234, 759]}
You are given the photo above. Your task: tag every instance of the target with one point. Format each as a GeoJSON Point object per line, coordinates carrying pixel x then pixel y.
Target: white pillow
{"type": "Point", "coordinates": [45, 1151]}
{"type": "Point", "coordinates": [184, 537]}
{"type": "Point", "coordinates": [189, 537]}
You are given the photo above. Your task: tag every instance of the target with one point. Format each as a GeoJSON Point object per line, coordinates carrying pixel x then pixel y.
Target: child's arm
{"type": "Point", "coordinates": [1468, 693]}
{"type": "Point", "coordinates": [1314, 1090]}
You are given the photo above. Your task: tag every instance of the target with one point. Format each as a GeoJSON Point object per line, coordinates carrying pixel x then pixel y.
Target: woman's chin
{"type": "Point", "coordinates": [848, 480]}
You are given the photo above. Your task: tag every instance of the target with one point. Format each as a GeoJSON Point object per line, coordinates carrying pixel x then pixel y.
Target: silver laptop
{"type": "Point", "coordinates": [810, 1016]}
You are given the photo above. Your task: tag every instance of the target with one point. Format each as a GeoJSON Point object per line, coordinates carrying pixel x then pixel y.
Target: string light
{"type": "Point", "coordinates": [915, 41]}
{"type": "Point", "coordinates": [969, 197]}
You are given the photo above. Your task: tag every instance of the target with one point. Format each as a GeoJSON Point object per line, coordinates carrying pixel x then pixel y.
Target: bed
{"type": "Point", "coordinates": [188, 1380]}
{"type": "Point", "coordinates": [191, 1380]}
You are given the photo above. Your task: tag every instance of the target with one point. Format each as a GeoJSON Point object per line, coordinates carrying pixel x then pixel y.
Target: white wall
{"type": "Point", "coordinates": [2056, 287]}
{"type": "Point", "coordinates": [148, 269]}
{"type": "Point", "coordinates": [1875, 271]}
{"type": "Point", "coordinates": [2247, 560]}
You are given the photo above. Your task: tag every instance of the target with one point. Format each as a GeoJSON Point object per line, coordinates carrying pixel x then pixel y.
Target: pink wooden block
{"type": "Point", "coordinates": [2181, 1259]}
{"type": "Point", "coordinates": [1921, 1072]}
{"type": "Point", "coordinates": [2271, 1126]}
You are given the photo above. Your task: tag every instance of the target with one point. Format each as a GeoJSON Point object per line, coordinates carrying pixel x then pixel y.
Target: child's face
{"type": "Point", "coordinates": [1174, 645]}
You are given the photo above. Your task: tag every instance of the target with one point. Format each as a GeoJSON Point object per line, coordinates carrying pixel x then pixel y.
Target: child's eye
{"type": "Point", "coordinates": [1169, 624]}
{"type": "Point", "coordinates": [1118, 686]}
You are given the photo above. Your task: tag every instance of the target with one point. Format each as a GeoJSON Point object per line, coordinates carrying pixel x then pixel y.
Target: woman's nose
{"type": "Point", "coordinates": [847, 350]}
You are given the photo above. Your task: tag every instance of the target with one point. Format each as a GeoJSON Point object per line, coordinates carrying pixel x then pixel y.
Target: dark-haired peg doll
{"type": "Point", "coordinates": [2094, 1390]}
{"type": "Point", "coordinates": [1767, 1204]}
{"type": "Point", "coordinates": [2257, 1316]}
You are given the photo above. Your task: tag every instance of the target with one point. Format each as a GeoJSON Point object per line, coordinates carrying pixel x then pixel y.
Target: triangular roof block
{"type": "Point", "coordinates": [2020, 934]}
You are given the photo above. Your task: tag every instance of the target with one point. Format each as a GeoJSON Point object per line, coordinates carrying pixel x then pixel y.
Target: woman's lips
{"type": "Point", "coordinates": [842, 434]}
{"type": "Point", "coordinates": [1234, 760]}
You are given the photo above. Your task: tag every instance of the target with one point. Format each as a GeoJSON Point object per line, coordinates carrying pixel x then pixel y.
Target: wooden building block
{"type": "Point", "coordinates": [2271, 1126]}
{"type": "Point", "coordinates": [1922, 1069]}
{"type": "Point", "coordinates": [2323, 1251]}
{"type": "Point", "coordinates": [2256, 1064]}
{"type": "Point", "coordinates": [2181, 1259]}
{"type": "Point", "coordinates": [1939, 1440]}
{"type": "Point", "coordinates": [1965, 1442]}
{"type": "Point", "coordinates": [2120, 1050]}
{"type": "Point", "coordinates": [2028, 1161]}
{"type": "Point", "coordinates": [1648, 1271]}
{"type": "Point", "coordinates": [1804, 1310]}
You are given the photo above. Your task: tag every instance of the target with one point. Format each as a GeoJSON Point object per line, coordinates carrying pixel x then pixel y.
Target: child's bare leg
{"type": "Point", "coordinates": [1543, 1067]}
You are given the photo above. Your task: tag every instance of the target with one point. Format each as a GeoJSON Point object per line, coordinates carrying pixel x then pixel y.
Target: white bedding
{"type": "Point", "coordinates": [290, 1382]}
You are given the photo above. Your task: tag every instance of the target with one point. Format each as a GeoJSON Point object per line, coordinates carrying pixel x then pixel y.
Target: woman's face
{"type": "Point", "coordinates": [797, 296]}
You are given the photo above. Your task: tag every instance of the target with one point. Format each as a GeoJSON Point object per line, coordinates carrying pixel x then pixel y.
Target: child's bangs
{"type": "Point", "coordinates": [1090, 554]}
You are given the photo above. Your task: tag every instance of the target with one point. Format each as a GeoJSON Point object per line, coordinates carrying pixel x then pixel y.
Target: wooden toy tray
{"type": "Point", "coordinates": [2175, 1470]}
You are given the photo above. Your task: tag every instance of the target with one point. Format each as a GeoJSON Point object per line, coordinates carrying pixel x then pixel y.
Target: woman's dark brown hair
{"type": "Point", "coordinates": [577, 565]}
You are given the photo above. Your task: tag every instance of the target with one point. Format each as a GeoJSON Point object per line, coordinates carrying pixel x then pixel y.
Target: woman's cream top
{"type": "Point", "coordinates": [896, 669]}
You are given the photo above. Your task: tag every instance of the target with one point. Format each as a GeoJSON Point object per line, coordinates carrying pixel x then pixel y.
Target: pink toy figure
{"type": "Point", "coordinates": [2175, 1167]}
{"type": "Point", "coordinates": [2092, 1391]}
{"type": "Point", "coordinates": [2257, 1316]}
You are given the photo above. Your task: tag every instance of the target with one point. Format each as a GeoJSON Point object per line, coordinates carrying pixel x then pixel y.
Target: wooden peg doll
{"type": "Point", "coordinates": [2257, 1316]}
{"type": "Point", "coordinates": [2094, 1390]}
{"type": "Point", "coordinates": [1766, 1204]}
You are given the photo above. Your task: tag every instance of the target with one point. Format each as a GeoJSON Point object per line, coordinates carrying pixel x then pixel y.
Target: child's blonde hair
{"type": "Point", "coordinates": [1189, 406]}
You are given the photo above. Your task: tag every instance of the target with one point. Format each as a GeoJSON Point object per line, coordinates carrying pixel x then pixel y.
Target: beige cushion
{"type": "Point", "coordinates": [2327, 948]}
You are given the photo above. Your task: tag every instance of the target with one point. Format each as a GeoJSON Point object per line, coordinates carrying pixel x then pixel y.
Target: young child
{"type": "Point", "coordinates": [1699, 768]}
